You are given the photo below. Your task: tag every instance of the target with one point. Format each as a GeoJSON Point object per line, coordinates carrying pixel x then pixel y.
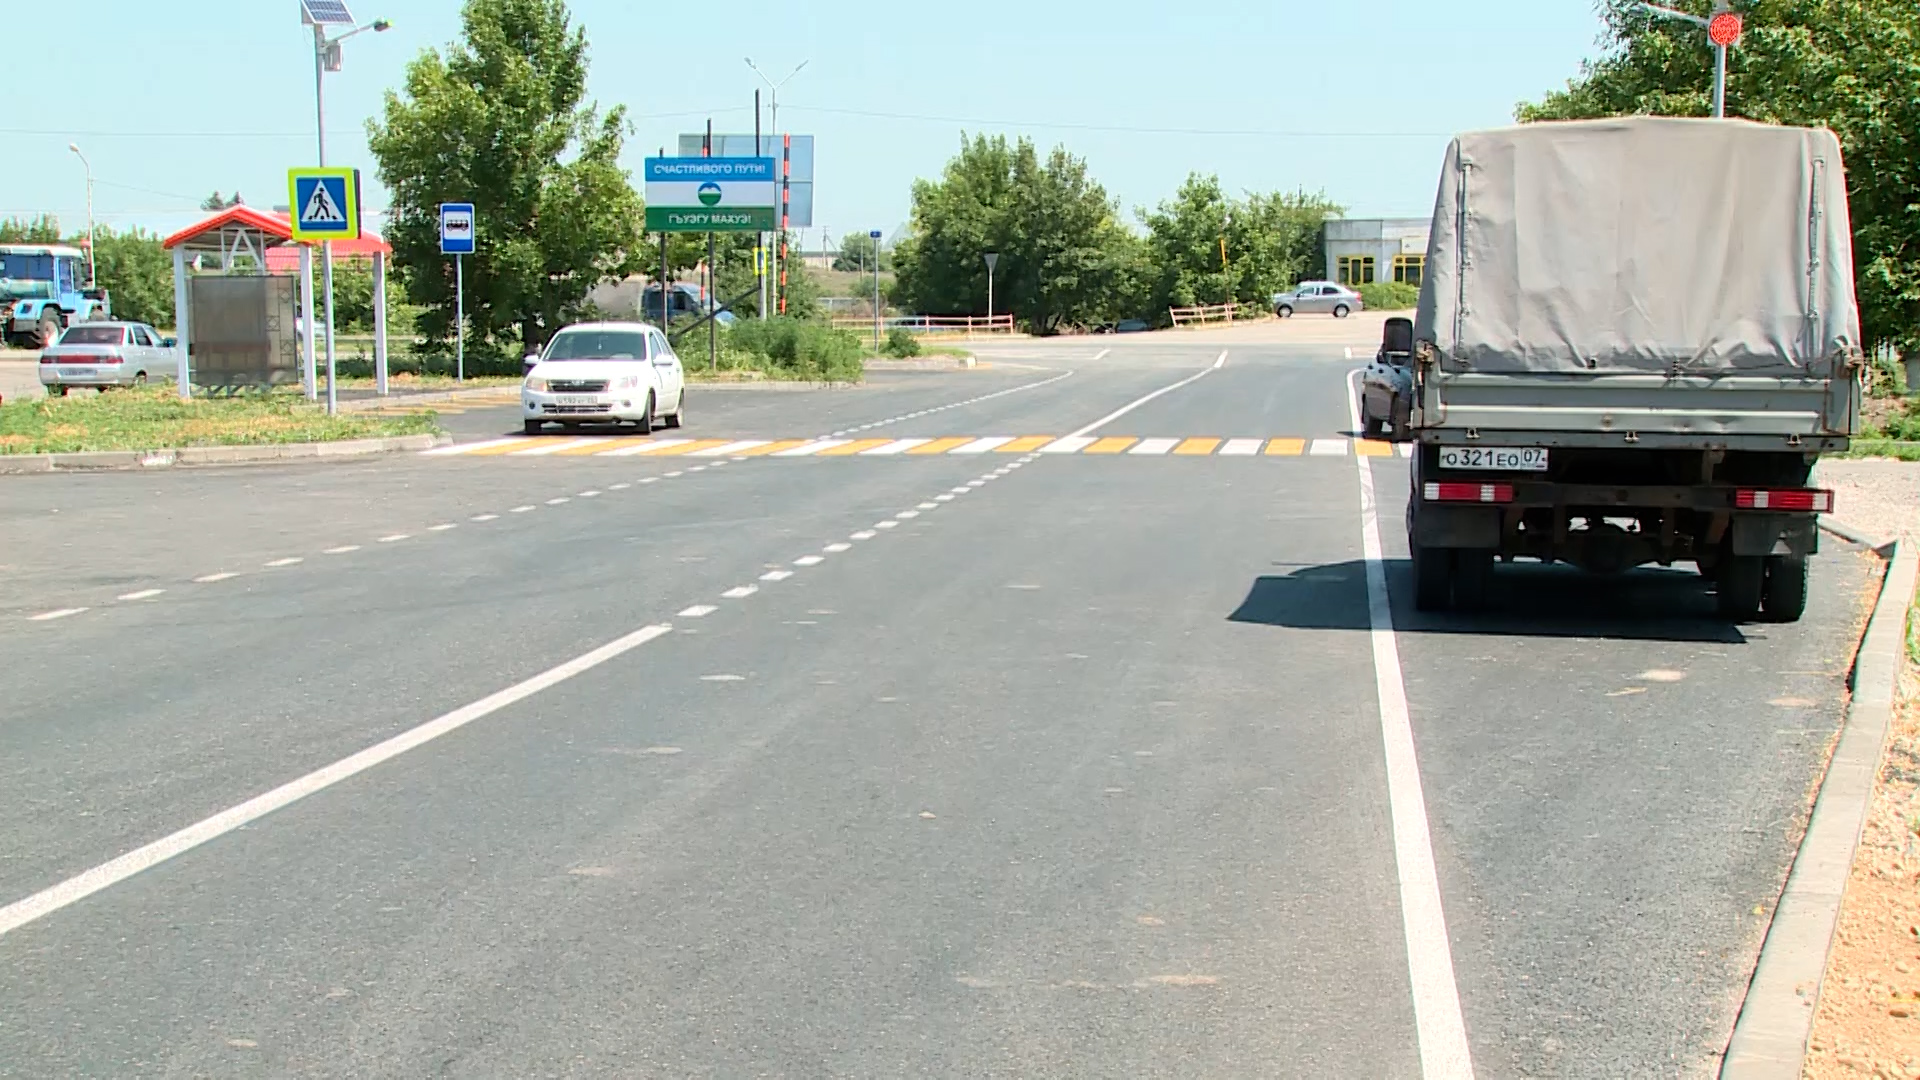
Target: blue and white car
{"type": "Point", "coordinates": [605, 373]}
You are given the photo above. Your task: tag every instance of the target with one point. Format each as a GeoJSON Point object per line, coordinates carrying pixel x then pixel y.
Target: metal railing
{"type": "Point", "coordinates": [931, 325]}
{"type": "Point", "coordinates": [1204, 314]}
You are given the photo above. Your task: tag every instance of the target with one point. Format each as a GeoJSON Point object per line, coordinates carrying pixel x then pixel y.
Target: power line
{"type": "Point", "coordinates": [1129, 129]}
{"type": "Point", "coordinates": [61, 133]}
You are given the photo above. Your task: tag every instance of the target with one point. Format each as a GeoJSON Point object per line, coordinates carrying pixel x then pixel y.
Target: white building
{"type": "Point", "coordinates": [1364, 250]}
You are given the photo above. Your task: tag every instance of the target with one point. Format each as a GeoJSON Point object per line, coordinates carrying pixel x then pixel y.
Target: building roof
{"type": "Point", "coordinates": [277, 230]}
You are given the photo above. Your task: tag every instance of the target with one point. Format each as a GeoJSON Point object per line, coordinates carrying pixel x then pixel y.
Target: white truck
{"type": "Point", "coordinates": [1635, 337]}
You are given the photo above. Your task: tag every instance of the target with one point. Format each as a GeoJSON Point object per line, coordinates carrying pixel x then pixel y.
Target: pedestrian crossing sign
{"type": "Point", "coordinates": [325, 203]}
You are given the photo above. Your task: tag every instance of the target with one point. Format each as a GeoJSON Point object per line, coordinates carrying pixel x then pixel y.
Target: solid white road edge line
{"type": "Point", "coordinates": [1220, 361]}
{"type": "Point", "coordinates": [1125, 409]}
{"type": "Point", "coordinates": [108, 874]}
{"type": "Point", "coordinates": [1442, 1031]}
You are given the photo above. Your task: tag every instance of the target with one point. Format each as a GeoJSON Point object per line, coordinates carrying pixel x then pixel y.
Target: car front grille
{"type": "Point", "coordinates": [577, 386]}
{"type": "Point", "coordinates": [575, 410]}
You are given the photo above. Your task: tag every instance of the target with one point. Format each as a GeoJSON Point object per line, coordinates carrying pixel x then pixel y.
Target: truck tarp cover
{"type": "Point", "coordinates": [1684, 247]}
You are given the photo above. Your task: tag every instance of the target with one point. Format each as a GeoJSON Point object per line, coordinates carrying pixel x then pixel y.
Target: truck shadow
{"type": "Point", "coordinates": [1527, 600]}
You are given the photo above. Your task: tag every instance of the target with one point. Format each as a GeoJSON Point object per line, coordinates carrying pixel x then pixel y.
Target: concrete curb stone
{"type": "Point", "coordinates": [1770, 1037]}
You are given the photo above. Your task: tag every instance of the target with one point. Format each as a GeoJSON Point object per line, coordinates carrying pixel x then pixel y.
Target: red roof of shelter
{"type": "Point", "coordinates": [278, 230]}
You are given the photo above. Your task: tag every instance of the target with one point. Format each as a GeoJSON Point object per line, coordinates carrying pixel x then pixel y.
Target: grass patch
{"type": "Point", "coordinates": [408, 381]}
{"type": "Point", "coordinates": [1883, 448]}
{"type": "Point", "coordinates": [156, 419]}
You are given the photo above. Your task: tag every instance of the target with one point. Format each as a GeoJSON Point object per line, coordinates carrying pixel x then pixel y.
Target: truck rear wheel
{"type": "Point", "coordinates": [1742, 583]}
{"type": "Point", "coordinates": [1432, 578]}
{"type": "Point", "coordinates": [1784, 595]}
{"type": "Point", "coordinates": [49, 329]}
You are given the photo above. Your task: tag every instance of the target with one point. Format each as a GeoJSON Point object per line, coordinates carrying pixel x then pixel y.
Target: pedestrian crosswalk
{"type": "Point", "coordinates": [616, 446]}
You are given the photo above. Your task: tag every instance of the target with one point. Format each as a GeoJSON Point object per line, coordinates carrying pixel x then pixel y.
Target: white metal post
{"type": "Point", "coordinates": [380, 323]}
{"type": "Point", "coordinates": [460, 319]}
{"type": "Point", "coordinates": [182, 328]}
{"type": "Point", "coordinates": [326, 277]}
{"type": "Point", "coordinates": [309, 320]}
{"type": "Point", "coordinates": [93, 262]}
{"type": "Point", "coordinates": [876, 292]}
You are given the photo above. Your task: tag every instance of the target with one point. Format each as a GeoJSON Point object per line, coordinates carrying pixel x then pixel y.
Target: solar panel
{"type": "Point", "coordinates": [325, 13]}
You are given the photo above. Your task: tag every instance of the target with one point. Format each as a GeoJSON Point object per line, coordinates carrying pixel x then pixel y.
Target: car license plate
{"type": "Point", "coordinates": [1499, 458]}
{"type": "Point", "coordinates": [578, 399]}
{"type": "Point", "coordinates": [75, 373]}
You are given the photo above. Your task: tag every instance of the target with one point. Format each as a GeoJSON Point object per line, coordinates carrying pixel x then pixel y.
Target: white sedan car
{"type": "Point", "coordinates": [605, 373]}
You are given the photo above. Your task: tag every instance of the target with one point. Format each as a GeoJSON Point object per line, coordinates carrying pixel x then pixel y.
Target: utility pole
{"type": "Point", "coordinates": [875, 237]}
{"type": "Point", "coordinates": [773, 253]}
{"type": "Point", "coordinates": [760, 247]}
{"type": "Point", "coordinates": [93, 264]}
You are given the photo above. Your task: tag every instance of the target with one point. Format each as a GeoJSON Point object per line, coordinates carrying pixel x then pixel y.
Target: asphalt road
{"type": "Point", "coordinates": [995, 764]}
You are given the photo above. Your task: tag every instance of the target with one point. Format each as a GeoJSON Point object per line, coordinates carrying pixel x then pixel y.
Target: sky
{"type": "Point", "coordinates": [1356, 101]}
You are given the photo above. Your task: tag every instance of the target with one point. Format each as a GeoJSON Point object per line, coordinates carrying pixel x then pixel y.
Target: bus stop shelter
{"type": "Point", "coordinates": [261, 238]}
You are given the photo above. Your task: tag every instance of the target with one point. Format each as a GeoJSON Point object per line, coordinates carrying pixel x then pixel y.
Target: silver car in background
{"type": "Point", "coordinates": [106, 354]}
{"type": "Point", "coordinates": [1318, 298]}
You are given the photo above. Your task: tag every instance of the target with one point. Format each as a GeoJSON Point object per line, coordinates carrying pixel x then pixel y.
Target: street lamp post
{"type": "Point", "coordinates": [1723, 29]}
{"type": "Point", "coordinates": [93, 265]}
{"type": "Point", "coordinates": [773, 255]}
{"type": "Point", "coordinates": [327, 57]}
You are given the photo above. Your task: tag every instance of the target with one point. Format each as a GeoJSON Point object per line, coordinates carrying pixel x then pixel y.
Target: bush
{"type": "Point", "coordinates": [360, 366]}
{"type": "Point", "coordinates": [798, 349]}
{"type": "Point", "coordinates": [901, 344]}
{"type": "Point", "coordinates": [1389, 295]}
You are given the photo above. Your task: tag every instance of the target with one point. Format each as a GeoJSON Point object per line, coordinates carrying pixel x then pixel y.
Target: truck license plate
{"type": "Point", "coordinates": [1497, 458]}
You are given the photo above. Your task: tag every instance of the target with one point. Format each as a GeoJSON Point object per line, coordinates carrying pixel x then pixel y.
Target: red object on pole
{"type": "Point", "coordinates": [1724, 28]}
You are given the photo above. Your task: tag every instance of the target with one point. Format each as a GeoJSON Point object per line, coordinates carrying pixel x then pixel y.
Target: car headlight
{"type": "Point", "coordinates": [626, 382]}
{"type": "Point", "coordinates": [538, 386]}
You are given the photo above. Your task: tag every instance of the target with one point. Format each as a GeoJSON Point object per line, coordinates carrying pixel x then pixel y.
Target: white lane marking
{"type": "Point", "coordinates": [1069, 445]}
{"type": "Point", "coordinates": [292, 560]}
{"type": "Point", "coordinates": [1220, 361]}
{"type": "Point", "coordinates": [1349, 352]}
{"type": "Point", "coordinates": [468, 448]}
{"type": "Point", "coordinates": [558, 500]}
{"type": "Point", "coordinates": [1328, 448]}
{"type": "Point", "coordinates": [143, 594]}
{"type": "Point", "coordinates": [1444, 1054]}
{"type": "Point", "coordinates": [1241, 447]}
{"type": "Point", "coordinates": [447, 527]}
{"type": "Point", "coordinates": [396, 538]}
{"type": "Point", "coordinates": [947, 497]}
{"type": "Point", "coordinates": [907, 515]}
{"type": "Point", "coordinates": [676, 472]}
{"type": "Point", "coordinates": [644, 448]}
{"type": "Point", "coordinates": [344, 549]}
{"type": "Point", "coordinates": [975, 484]}
{"type": "Point", "coordinates": [1132, 405]}
{"type": "Point", "coordinates": [588, 495]}
{"type": "Point", "coordinates": [1102, 354]}
{"type": "Point", "coordinates": [776, 575]}
{"type": "Point", "coordinates": [696, 469]}
{"type": "Point", "coordinates": [484, 517]}
{"type": "Point", "coordinates": [107, 874]}
{"type": "Point", "coordinates": [809, 560]}
{"type": "Point", "coordinates": [619, 487]}
{"type": "Point", "coordinates": [864, 534]}
{"type": "Point", "coordinates": [649, 479]}
{"type": "Point", "coordinates": [886, 524]}
{"type": "Point", "coordinates": [1353, 399]}
{"type": "Point", "coordinates": [740, 592]}
{"type": "Point", "coordinates": [835, 549]}
{"type": "Point", "coordinates": [718, 464]}
{"type": "Point", "coordinates": [698, 611]}
{"type": "Point", "coordinates": [49, 616]}
{"type": "Point", "coordinates": [556, 447]}
{"type": "Point", "coordinates": [211, 578]}
{"type": "Point", "coordinates": [897, 446]}
{"type": "Point", "coordinates": [981, 446]}
{"type": "Point", "coordinates": [1405, 449]}
{"type": "Point", "coordinates": [928, 506]}
{"type": "Point", "coordinates": [814, 447]}
{"type": "Point", "coordinates": [961, 490]}
{"type": "Point", "coordinates": [729, 449]}
{"type": "Point", "coordinates": [1154, 446]}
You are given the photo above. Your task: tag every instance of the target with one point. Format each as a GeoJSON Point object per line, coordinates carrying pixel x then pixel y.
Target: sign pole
{"type": "Point", "coordinates": [993, 259]}
{"type": "Point", "coordinates": [326, 276]}
{"type": "Point", "coordinates": [759, 252]}
{"type": "Point", "coordinates": [459, 319]}
{"type": "Point", "coordinates": [875, 237]}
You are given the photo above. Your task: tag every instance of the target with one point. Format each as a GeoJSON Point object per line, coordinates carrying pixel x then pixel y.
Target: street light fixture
{"type": "Point", "coordinates": [773, 261]}
{"type": "Point", "coordinates": [93, 265]}
{"type": "Point", "coordinates": [1723, 29]}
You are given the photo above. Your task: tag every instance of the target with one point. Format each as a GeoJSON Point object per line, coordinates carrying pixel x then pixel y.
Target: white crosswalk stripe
{"type": "Point", "coordinates": [1155, 446]}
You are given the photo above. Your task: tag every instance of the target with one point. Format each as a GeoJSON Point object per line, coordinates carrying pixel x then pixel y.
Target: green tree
{"type": "Point", "coordinates": [37, 230]}
{"type": "Point", "coordinates": [217, 202]}
{"type": "Point", "coordinates": [137, 274]}
{"type": "Point", "coordinates": [1850, 65]}
{"type": "Point", "coordinates": [1065, 258]}
{"type": "Point", "coordinates": [353, 294]}
{"type": "Point", "coordinates": [857, 251]}
{"type": "Point", "coordinates": [1271, 241]}
{"type": "Point", "coordinates": [501, 120]}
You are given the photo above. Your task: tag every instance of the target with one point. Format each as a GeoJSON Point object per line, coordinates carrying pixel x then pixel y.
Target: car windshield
{"type": "Point", "coordinates": [92, 335]}
{"type": "Point", "coordinates": [598, 345]}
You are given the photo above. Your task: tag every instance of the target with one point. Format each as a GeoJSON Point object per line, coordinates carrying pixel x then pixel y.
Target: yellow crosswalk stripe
{"type": "Point", "coordinates": [941, 446]}
{"type": "Point", "coordinates": [772, 448]}
{"type": "Point", "coordinates": [1112, 444]}
{"type": "Point", "coordinates": [1197, 447]}
{"type": "Point", "coordinates": [688, 448]}
{"type": "Point", "coordinates": [601, 446]}
{"type": "Point", "coordinates": [855, 447]}
{"type": "Point", "coordinates": [1024, 445]}
{"type": "Point", "coordinates": [1372, 448]}
{"type": "Point", "coordinates": [1286, 447]}
{"type": "Point", "coordinates": [503, 448]}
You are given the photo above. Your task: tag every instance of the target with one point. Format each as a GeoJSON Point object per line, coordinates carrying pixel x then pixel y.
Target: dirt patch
{"type": "Point", "coordinates": [1868, 1021]}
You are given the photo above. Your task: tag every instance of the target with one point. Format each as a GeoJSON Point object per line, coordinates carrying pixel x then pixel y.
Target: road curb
{"type": "Point", "coordinates": [111, 460]}
{"type": "Point", "coordinates": [1882, 548]}
{"type": "Point", "coordinates": [1770, 1037]}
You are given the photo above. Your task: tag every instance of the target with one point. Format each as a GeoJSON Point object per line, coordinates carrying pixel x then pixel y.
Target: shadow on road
{"type": "Point", "coordinates": [1528, 600]}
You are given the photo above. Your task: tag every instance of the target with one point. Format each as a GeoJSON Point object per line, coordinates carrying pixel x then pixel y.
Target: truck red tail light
{"type": "Point", "coordinates": [1802, 500]}
{"type": "Point", "coordinates": [1473, 493]}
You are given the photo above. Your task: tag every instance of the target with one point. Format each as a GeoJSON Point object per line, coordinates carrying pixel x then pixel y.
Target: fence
{"type": "Point", "coordinates": [931, 325]}
{"type": "Point", "coordinates": [1200, 316]}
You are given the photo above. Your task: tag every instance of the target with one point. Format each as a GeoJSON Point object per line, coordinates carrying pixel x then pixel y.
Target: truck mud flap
{"type": "Point", "coordinates": [1437, 526]}
{"type": "Point", "coordinates": [1774, 534]}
